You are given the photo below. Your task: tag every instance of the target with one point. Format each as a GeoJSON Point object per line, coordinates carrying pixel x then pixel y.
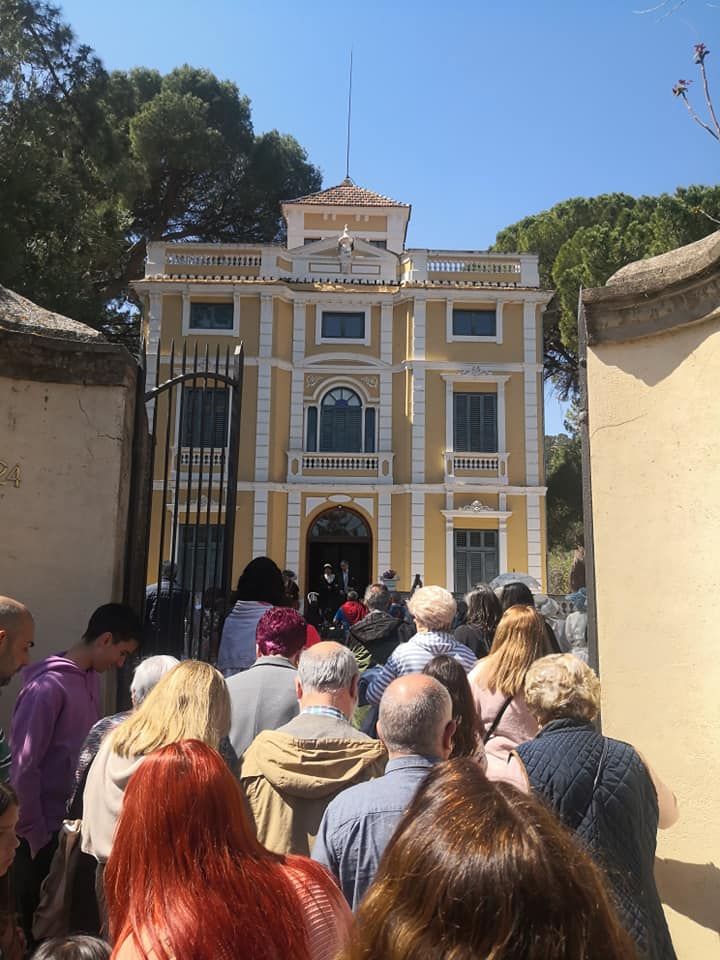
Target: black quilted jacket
{"type": "Point", "coordinates": [601, 789]}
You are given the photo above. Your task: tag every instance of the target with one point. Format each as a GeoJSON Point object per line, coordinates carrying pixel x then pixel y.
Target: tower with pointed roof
{"type": "Point", "coordinates": [392, 407]}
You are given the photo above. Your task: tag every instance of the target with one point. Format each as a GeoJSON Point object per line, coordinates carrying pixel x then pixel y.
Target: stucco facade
{"type": "Point", "coordinates": [653, 358]}
{"type": "Point", "coordinates": [68, 402]}
{"type": "Point", "coordinates": [357, 355]}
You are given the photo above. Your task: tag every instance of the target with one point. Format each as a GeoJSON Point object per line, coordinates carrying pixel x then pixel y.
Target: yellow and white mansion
{"type": "Point", "coordinates": [392, 400]}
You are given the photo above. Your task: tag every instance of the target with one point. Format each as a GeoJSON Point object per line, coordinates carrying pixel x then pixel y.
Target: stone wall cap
{"type": "Point", "coordinates": [658, 273]}
{"type": "Point", "coordinates": [23, 316]}
{"type": "Point", "coordinates": [653, 296]}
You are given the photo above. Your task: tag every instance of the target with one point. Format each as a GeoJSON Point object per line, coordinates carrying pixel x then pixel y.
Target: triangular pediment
{"type": "Point", "coordinates": [328, 247]}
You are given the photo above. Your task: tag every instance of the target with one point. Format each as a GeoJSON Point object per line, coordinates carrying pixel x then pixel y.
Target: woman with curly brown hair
{"type": "Point", "coordinates": [476, 869]}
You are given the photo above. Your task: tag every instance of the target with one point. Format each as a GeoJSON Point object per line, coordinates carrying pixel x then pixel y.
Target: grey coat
{"type": "Point", "coordinates": [262, 698]}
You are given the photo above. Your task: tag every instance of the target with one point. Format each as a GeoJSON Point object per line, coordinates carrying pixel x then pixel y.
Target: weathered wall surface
{"type": "Point", "coordinates": [654, 410]}
{"type": "Point", "coordinates": [63, 512]}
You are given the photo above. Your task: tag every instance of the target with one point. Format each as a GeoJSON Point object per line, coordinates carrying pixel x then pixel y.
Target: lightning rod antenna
{"type": "Point", "coordinates": [349, 116]}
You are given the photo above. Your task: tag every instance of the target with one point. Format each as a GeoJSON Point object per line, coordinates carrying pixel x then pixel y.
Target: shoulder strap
{"type": "Point", "coordinates": [498, 717]}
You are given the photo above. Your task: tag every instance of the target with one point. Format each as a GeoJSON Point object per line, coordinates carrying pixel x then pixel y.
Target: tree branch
{"type": "Point", "coordinates": [708, 98]}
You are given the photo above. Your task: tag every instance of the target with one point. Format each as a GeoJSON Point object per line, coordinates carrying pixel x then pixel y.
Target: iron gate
{"type": "Point", "coordinates": [185, 480]}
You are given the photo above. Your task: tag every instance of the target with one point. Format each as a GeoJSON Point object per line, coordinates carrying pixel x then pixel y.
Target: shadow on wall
{"type": "Point", "coordinates": [661, 356]}
{"type": "Point", "coordinates": [692, 889]}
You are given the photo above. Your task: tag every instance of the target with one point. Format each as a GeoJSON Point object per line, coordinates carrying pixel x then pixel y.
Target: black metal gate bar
{"type": "Point", "coordinates": [215, 616]}
{"type": "Point", "coordinates": [178, 624]}
{"type": "Point", "coordinates": [234, 456]}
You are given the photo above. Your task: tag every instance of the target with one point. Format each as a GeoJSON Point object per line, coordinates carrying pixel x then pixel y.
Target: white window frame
{"type": "Point", "coordinates": [458, 338]}
{"type": "Point", "coordinates": [317, 403]}
{"type": "Point", "coordinates": [188, 298]}
{"type": "Point", "coordinates": [450, 381]}
{"type": "Point", "coordinates": [342, 308]}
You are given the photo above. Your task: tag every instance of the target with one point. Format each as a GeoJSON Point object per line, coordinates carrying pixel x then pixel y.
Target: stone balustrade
{"type": "Point", "coordinates": [323, 467]}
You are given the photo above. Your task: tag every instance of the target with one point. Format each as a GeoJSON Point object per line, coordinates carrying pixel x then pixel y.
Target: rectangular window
{"type": "Point", "coordinates": [337, 325]}
{"type": "Point", "coordinates": [311, 435]}
{"type": "Point", "coordinates": [475, 423]}
{"type": "Point", "coordinates": [211, 316]}
{"type": "Point", "coordinates": [474, 323]}
{"type": "Point", "coordinates": [380, 244]}
{"type": "Point", "coordinates": [200, 556]}
{"type": "Point", "coordinates": [204, 416]}
{"type": "Point", "coordinates": [476, 558]}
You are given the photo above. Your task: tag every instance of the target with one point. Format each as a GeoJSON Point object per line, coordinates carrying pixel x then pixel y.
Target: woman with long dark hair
{"type": "Point", "coordinates": [476, 869]}
{"type": "Point", "coordinates": [467, 739]}
{"type": "Point", "coordinates": [212, 891]}
{"type": "Point", "coordinates": [261, 586]}
{"type": "Point", "coordinates": [483, 615]}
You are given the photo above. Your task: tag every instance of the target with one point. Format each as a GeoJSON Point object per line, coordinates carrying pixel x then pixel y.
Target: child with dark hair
{"type": "Point", "coordinates": [78, 947]}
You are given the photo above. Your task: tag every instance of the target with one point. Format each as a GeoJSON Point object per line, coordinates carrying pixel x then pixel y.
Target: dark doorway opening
{"type": "Point", "coordinates": [339, 534]}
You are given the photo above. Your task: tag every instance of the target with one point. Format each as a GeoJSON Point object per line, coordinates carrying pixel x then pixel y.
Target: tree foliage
{"type": "Point", "coordinates": [563, 471]}
{"type": "Point", "coordinates": [581, 242]}
{"type": "Point", "coordinates": [93, 165]}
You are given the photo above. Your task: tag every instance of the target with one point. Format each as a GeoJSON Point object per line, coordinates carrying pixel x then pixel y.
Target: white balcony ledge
{"type": "Point", "coordinates": [476, 467]}
{"type": "Point", "coordinates": [305, 467]}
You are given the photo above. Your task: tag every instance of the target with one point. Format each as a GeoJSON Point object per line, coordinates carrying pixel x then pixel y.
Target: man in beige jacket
{"type": "Point", "coordinates": [291, 774]}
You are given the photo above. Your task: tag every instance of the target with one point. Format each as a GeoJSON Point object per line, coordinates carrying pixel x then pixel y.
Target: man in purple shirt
{"type": "Point", "coordinates": [417, 727]}
{"type": "Point", "coordinates": [57, 706]}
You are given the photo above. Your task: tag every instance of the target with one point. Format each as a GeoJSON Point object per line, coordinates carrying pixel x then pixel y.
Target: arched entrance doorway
{"type": "Point", "coordinates": [339, 533]}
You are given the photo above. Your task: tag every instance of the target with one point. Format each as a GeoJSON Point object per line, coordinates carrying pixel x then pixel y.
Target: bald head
{"type": "Point", "coordinates": [17, 633]}
{"type": "Point", "coordinates": [416, 717]}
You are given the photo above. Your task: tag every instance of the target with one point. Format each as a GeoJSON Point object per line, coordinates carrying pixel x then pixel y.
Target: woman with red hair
{"type": "Point", "coordinates": [187, 877]}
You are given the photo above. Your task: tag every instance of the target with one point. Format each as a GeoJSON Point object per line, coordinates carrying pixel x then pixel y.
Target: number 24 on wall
{"type": "Point", "coordinates": [9, 474]}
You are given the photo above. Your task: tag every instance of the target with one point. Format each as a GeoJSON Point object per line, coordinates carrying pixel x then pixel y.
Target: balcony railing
{"type": "Point", "coordinates": [331, 467]}
{"type": "Point", "coordinates": [480, 467]}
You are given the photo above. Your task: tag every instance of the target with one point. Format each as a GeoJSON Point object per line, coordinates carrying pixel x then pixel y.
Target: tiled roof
{"type": "Point", "coordinates": [348, 194]}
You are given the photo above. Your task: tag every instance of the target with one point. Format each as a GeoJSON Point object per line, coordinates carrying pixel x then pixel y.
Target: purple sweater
{"type": "Point", "coordinates": [54, 711]}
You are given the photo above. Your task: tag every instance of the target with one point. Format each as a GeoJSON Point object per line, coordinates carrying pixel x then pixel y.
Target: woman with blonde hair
{"type": "Point", "coordinates": [497, 680]}
{"type": "Point", "coordinates": [476, 869]}
{"type": "Point", "coordinates": [191, 702]}
{"type": "Point", "coordinates": [601, 788]}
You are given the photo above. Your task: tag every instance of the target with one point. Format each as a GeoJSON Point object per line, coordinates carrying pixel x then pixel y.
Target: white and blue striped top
{"type": "Point", "coordinates": [412, 656]}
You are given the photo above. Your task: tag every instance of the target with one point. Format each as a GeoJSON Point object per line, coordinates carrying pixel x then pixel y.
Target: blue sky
{"type": "Point", "coordinates": [478, 112]}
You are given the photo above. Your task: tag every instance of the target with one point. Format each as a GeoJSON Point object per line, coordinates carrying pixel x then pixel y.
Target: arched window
{"type": "Point", "coordinates": [345, 426]}
{"type": "Point", "coordinates": [341, 421]}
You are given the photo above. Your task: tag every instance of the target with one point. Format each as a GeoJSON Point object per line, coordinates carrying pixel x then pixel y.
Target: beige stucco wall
{"type": "Point", "coordinates": [63, 527]}
{"type": "Point", "coordinates": [654, 410]}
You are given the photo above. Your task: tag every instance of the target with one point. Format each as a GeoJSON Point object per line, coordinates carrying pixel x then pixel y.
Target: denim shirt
{"type": "Point", "coordinates": [358, 824]}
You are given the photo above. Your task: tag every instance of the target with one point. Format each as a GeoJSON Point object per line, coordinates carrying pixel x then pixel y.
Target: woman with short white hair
{"type": "Point", "coordinates": [601, 788]}
{"type": "Point", "coordinates": [433, 610]}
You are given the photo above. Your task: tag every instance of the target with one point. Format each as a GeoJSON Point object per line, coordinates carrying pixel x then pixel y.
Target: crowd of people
{"type": "Point", "coordinates": [431, 784]}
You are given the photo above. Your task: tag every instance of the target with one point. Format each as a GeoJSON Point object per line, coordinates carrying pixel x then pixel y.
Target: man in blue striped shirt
{"type": "Point", "coordinates": [17, 633]}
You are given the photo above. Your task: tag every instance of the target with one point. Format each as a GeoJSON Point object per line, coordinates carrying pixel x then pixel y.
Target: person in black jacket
{"type": "Point", "coordinates": [602, 789]}
{"type": "Point", "coordinates": [374, 638]}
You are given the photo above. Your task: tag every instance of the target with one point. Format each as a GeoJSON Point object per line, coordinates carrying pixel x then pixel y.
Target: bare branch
{"type": "Point", "coordinates": [660, 6]}
{"type": "Point", "coordinates": [708, 98]}
{"type": "Point", "coordinates": [696, 118]}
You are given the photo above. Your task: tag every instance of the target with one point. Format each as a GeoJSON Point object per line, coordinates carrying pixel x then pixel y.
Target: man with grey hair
{"type": "Point", "coordinates": [417, 727]}
{"type": "Point", "coordinates": [17, 636]}
{"type": "Point", "coordinates": [289, 775]}
{"type": "Point", "coordinates": [374, 638]}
